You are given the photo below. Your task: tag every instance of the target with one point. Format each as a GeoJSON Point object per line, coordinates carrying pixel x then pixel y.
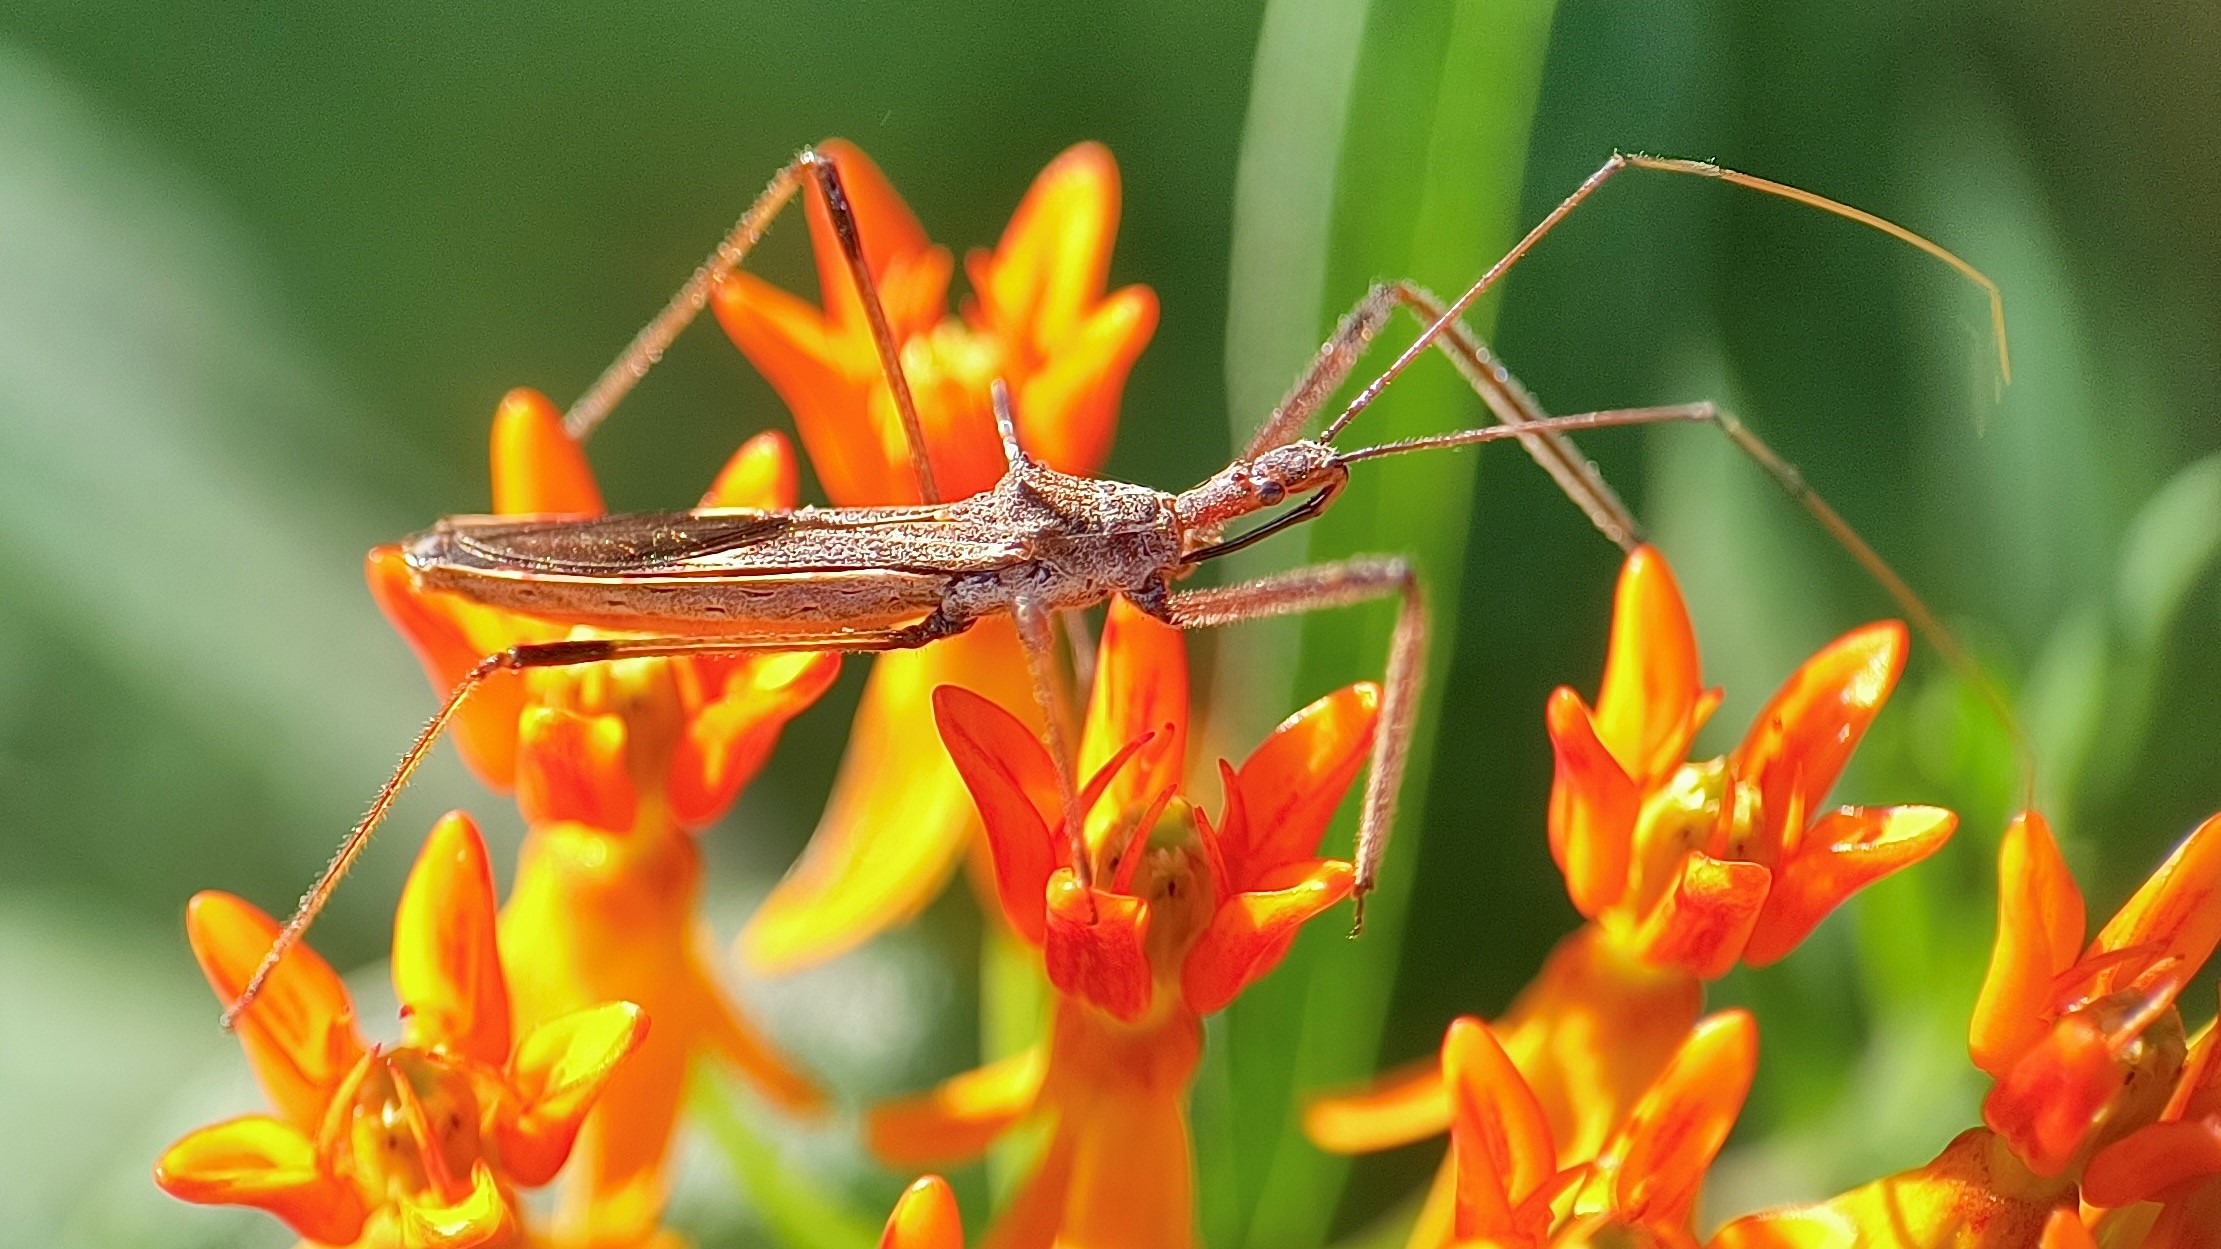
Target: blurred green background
{"type": "Point", "coordinates": [263, 277]}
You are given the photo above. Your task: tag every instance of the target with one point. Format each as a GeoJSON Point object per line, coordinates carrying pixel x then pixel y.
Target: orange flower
{"type": "Point", "coordinates": [925, 1217]}
{"type": "Point", "coordinates": [2085, 1044]}
{"type": "Point", "coordinates": [1975, 1195]}
{"type": "Point", "coordinates": [423, 1143]}
{"type": "Point", "coordinates": [2175, 1162]}
{"type": "Point", "coordinates": [1039, 319]}
{"type": "Point", "coordinates": [1588, 1037]}
{"type": "Point", "coordinates": [1183, 914]}
{"type": "Point", "coordinates": [614, 765]}
{"type": "Point", "coordinates": [1511, 1188]}
{"type": "Point", "coordinates": [1699, 865]}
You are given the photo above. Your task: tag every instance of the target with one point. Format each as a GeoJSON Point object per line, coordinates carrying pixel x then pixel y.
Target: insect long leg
{"type": "Point", "coordinates": [544, 655]}
{"type": "Point", "coordinates": [1507, 400]}
{"type": "Point", "coordinates": [1318, 588]}
{"type": "Point", "coordinates": [1039, 637]}
{"type": "Point", "coordinates": [655, 338]}
{"type": "Point", "coordinates": [1619, 162]}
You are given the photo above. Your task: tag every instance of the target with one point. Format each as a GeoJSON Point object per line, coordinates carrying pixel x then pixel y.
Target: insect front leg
{"type": "Point", "coordinates": [1342, 584]}
{"type": "Point", "coordinates": [1508, 401]}
{"type": "Point", "coordinates": [565, 654]}
{"type": "Point", "coordinates": [1038, 634]}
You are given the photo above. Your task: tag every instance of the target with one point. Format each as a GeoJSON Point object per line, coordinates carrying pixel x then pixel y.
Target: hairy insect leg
{"type": "Point", "coordinates": [563, 654]}
{"type": "Point", "coordinates": [1038, 634]}
{"type": "Point", "coordinates": [1510, 402]}
{"type": "Point", "coordinates": [655, 338]}
{"type": "Point", "coordinates": [1318, 588]}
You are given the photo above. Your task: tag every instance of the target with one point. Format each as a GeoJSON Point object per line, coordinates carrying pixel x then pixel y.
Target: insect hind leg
{"type": "Point", "coordinates": [564, 654]}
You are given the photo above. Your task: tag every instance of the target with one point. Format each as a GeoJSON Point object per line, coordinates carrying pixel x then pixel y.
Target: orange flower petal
{"type": "Point", "coordinates": [482, 1217]}
{"type": "Point", "coordinates": [823, 382]}
{"type": "Point", "coordinates": [300, 1033]}
{"type": "Point", "coordinates": [889, 231]}
{"type": "Point", "coordinates": [2039, 933]}
{"type": "Point", "coordinates": [268, 1165]}
{"type": "Point", "coordinates": [1646, 709]}
{"type": "Point", "coordinates": [1007, 771]}
{"type": "Point", "coordinates": [1593, 807]}
{"type": "Point", "coordinates": [446, 969]}
{"type": "Point", "coordinates": [1590, 1034]}
{"type": "Point", "coordinates": [956, 1121]}
{"type": "Point", "coordinates": [1054, 258]}
{"type": "Point", "coordinates": [761, 475]}
{"type": "Point", "coordinates": [2065, 1230]}
{"type": "Point", "coordinates": [1975, 1195]}
{"type": "Point", "coordinates": [1703, 922]}
{"type": "Point", "coordinates": [1141, 688]}
{"type": "Point", "coordinates": [1500, 1141]}
{"type": "Point", "coordinates": [2176, 915]}
{"type": "Point", "coordinates": [1093, 946]}
{"type": "Point", "coordinates": [730, 738]}
{"type": "Point", "coordinates": [537, 468]}
{"type": "Point", "coordinates": [1847, 850]}
{"type": "Point", "coordinates": [1068, 409]}
{"type": "Point", "coordinates": [1799, 743]}
{"type": "Point", "coordinates": [899, 814]}
{"type": "Point", "coordinates": [2045, 1106]}
{"type": "Point", "coordinates": [2148, 1162]}
{"type": "Point", "coordinates": [1251, 931]}
{"type": "Point", "coordinates": [436, 629]}
{"type": "Point", "coordinates": [1292, 783]}
{"type": "Point", "coordinates": [1398, 1108]}
{"type": "Point", "coordinates": [1656, 1164]}
{"type": "Point", "coordinates": [559, 1069]}
{"type": "Point", "coordinates": [573, 767]}
{"type": "Point", "coordinates": [924, 1218]}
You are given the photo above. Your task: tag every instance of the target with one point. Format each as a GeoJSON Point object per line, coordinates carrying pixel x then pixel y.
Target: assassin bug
{"type": "Point", "coordinates": [1040, 542]}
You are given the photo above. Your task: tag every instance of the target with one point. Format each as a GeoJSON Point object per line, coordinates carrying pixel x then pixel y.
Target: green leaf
{"type": "Point", "coordinates": [1426, 187]}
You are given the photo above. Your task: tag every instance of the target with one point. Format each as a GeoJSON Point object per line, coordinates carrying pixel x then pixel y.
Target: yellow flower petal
{"type": "Point", "coordinates": [483, 1217]}
{"type": "Point", "coordinates": [446, 967]}
{"type": "Point", "coordinates": [1975, 1195]}
{"type": "Point", "coordinates": [956, 1121]}
{"type": "Point", "coordinates": [537, 468]}
{"type": "Point", "coordinates": [925, 1218]}
{"type": "Point", "coordinates": [268, 1165]}
{"type": "Point", "coordinates": [1398, 1108]}
{"type": "Point", "coordinates": [300, 1033]}
{"type": "Point", "coordinates": [559, 1070]}
{"type": "Point", "coordinates": [899, 815]}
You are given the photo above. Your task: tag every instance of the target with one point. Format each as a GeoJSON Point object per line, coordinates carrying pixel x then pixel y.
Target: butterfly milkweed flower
{"type": "Point", "coordinates": [421, 1143]}
{"type": "Point", "coordinates": [1682, 869]}
{"type": "Point", "coordinates": [1511, 1186]}
{"type": "Point", "coordinates": [615, 766]}
{"type": "Point", "coordinates": [1184, 912]}
{"type": "Point", "coordinates": [2098, 1101]}
{"type": "Point", "coordinates": [1038, 318]}
{"type": "Point", "coordinates": [924, 1217]}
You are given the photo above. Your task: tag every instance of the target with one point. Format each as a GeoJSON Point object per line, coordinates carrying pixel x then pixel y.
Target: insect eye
{"type": "Point", "coordinates": [1270, 492]}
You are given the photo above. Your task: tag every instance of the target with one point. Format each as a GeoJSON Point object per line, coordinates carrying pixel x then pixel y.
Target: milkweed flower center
{"type": "Point", "coordinates": [636, 705]}
{"type": "Point", "coordinates": [413, 1124]}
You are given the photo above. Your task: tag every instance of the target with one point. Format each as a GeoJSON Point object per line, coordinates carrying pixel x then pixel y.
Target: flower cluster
{"type": "Point", "coordinates": [554, 1033]}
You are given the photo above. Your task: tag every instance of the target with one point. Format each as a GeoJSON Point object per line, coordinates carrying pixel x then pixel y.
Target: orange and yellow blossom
{"type": "Point", "coordinates": [1514, 1189]}
{"type": "Point", "coordinates": [1703, 865]}
{"type": "Point", "coordinates": [615, 766]}
{"type": "Point", "coordinates": [1038, 318]}
{"type": "Point", "coordinates": [1683, 869]}
{"type": "Point", "coordinates": [924, 1217]}
{"type": "Point", "coordinates": [2093, 1088]}
{"type": "Point", "coordinates": [1183, 914]}
{"type": "Point", "coordinates": [422, 1144]}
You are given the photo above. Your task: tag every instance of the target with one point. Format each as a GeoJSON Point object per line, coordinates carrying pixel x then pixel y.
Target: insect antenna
{"type": "Point", "coordinates": [1781, 470]}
